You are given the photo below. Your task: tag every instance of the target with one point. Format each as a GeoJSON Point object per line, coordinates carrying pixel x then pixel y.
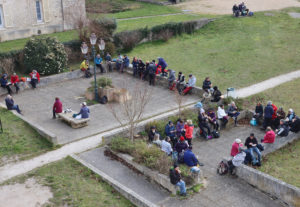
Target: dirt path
{"type": "Point", "coordinates": [225, 6]}
{"type": "Point", "coordinates": [143, 17]}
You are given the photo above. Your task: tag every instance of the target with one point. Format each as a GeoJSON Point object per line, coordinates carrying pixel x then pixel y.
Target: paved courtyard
{"type": "Point", "coordinates": [222, 191]}
{"type": "Point", "coordinates": [37, 106]}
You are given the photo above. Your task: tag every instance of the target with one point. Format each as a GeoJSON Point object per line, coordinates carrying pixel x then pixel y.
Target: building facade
{"type": "Point", "coordinates": [24, 18]}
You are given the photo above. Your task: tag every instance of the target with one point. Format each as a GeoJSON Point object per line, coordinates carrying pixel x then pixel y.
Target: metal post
{"type": "Point", "coordinates": [95, 79]}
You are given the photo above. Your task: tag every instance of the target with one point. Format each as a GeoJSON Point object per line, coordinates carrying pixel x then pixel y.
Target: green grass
{"type": "Point", "coordinates": [153, 21]}
{"type": "Point", "coordinates": [72, 184]}
{"type": "Point", "coordinates": [284, 164]}
{"type": "Point", "coordinates": [20, 43]}
{"type": "Point", "coordinates": [19, 140]}
{"type": "Point", "coordinates": [140, 9]}
{"type": "Point", "coordinates": [234, 52]}
{"type": "Point", "coordinates": [285, 95]}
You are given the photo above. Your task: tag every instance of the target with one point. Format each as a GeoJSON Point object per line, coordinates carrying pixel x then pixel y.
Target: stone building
{"type": "Point", "coordinates": [24, 18]}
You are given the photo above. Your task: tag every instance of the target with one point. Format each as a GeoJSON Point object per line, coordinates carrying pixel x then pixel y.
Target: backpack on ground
{"type": "Point", "coordinates": [173, 179]}
{"type": "Point", "coordinates": [251, 14]}
{"type": "Point", "coordinates": [215, 134]}
{"type": "Point", "coordinates": [103, 100]}
{"type": "Point", "coordinates": [223, 168]}
{"type": "Point", "coordinates": [237, 14]}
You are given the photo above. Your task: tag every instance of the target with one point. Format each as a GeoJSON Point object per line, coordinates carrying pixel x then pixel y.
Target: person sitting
{"type": "Point", "coordinates": [5, 84]}
{"type": "Point", "coordinates": [14, 80]}
{"type": "Point", "coordinates": [235, 147]}
{"type": "Point", "coordinates": [119, 62]}
{"type": "Point", "coordinates": [233, 112]}
{"type": "Point", "coordinates": [84, 112]}
{"type": "Point", "coordinates": [108, 61]}
{"type": "Point", "coordinates": [189, 129]}
{"type": "Point", "coordinates": [141, 68]}
{"type": "Point", "coordinates": [237, 160]}
{"type": "Point", "coordinates": [191, 160]}
{"type": "Point", "coordinates": [190, 84]}
{"type": "Point", "coordinates": [203, 124]}
{"type": "Point", "coordinates": [251, 144]}
{"type": "Point", "coordinates": [166, 146]}
{"type": "Point", "coordinates": [269, 136]}
{"type": "Point", "coordinates": [171, 79]}
{"type": "Point", "coordinates": [180, 82]}
{"type": "Point", "coordinates": [35, 78]}
{"type": "Point", "coordinates": [216, 95]}
{"type": "Point", "coordinates": [179, 128]}
{"type": "Point", "coordinates": [207, 85]}
{"type": "Point", "coordinates": [295, 125]}
{"type": "Point", "coordinates": [157, 140]}
{"type": "Point", "coordinates": [283, 130]}
{"type": "Point", "coordinates": [163, 64]}
{"type": "Point", "coordinates": [212, 118]}
{"type": "Point", "coordinates": [235, 10]}
{"type": "Point", "coordinates": [152, 71]}
{"type": "Point", "coordinates": [181, 146]}
{"type": "Point", "coordinates": [222, 116]}
{"type": "Point", "coordinates": [259, 111]}
{"type": "Point", "coordinates": [175, 179]}
{"type": "Point", "coordinates": [125, 63]}
{"type": "Point", "coordinates": [98, 62]}
{"type": "Point", "coordinates": [268, 115]}
{"type": "Point", "coordinates": [274, 115]}
{"type": "Point", "coordinates": [243, 9]}
{"type": "Point", "coordinates": [57, 107]}
{"type": "Point", "coordinates": [280, 114]}
{"type": "Point", "coordinates": [290, 116]}
{"type": "Point", "coordinates": [11, 105]}
{"type": "Point", "coordinates": [151, 133]}
{"type": "Point", "coordinates": [170, 132]}
{"type": "Point", "coordinates": [84, 65]}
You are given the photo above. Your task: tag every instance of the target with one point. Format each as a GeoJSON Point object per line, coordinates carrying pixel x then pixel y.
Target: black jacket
{"type": "Point", "coordinates": [283, 130]}
{"type": "Point", "coordinates": [206, 84]}
{"type": "Point", "coordinates": [180, 78]}
{"type": "Point", "coordinates": [259, 109]}
{"type": "Point", "coordinates": [151, 135]}
{"type": "Point", "coordinates": [216, 93]}
{"type": "Point", "coordinates": [249, 140]}
{"type": "Point", "coordinates": [174, 176]}
{"type": "Point", "coordinates": [295, 126]}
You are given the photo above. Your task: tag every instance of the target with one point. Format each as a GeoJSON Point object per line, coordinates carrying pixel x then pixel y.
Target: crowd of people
{"type": "Point", "coordinates": [241, 10]}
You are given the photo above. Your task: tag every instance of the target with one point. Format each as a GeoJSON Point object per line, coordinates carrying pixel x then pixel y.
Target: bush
{"type": "Point", "coordinates": [127, 40]}
{"type": "Point", "coordinates": [46, 55]}
{"type": "Point", "coordinates": [123, 145]}
{"type": "Point", "coordinates": [103, 82]}
{"type": "Point", "coordinates": [238, 102]}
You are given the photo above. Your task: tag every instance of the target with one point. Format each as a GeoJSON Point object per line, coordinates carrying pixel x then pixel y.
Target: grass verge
{"type": "Point", "coordinates": [72, 184]}
{"type": "Point", "coordinates": [19, 141]}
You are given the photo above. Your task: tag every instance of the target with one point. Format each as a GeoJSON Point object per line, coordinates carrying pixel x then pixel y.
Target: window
{"type": "Point", "coordinates": [1, 17]}
{"type": "Point", "coordinates": [39, 13]}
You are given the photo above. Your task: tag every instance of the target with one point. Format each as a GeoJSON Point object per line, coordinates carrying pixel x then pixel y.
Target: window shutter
{"type": "Point", "coordinates": [46, 11]}
{"type": "Point", "coordinates": [7, 14]}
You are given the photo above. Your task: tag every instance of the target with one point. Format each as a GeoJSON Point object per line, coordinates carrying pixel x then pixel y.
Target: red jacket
{"type": "Point", "coordinates": [189, 131]}
{"type": "Point", "coordinates": [274, 115]}
{"type": "Point", "coordinates": [37, 76]}
{"type": "Point", "coordinates": [57, 106]}
{"type": "Point", "coordinates": [14, 79]}
{"type": "Point", "coordinates": [269, 137]}
{"type": "Point", "coordinates": [234, 149]}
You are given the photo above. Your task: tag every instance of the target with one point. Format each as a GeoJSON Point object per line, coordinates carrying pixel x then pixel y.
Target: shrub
{"type": "Point", "coordinates": [46, 55]}
{"type": "Point", "coordinates": [123, 145]}
{"type": "Point", "coordinates": [103, 82]}
{"type": "Point", "coordinates": [238, 102]}
{"type": "Point", "coordinates": [127, 40]}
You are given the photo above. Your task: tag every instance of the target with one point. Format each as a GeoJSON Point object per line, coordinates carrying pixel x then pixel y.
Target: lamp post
{"type": "Point", "coordinates": [102, 47]}
{"type": "Point", "coordinates": [84, 50]}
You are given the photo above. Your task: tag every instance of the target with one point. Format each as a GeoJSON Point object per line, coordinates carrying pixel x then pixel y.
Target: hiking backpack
{"type": "Point", "coordinates": [103, 100]}
{"type": "Point", "coordinates": [216, 134]}
{"type": "Point", "coordinates": [223, 168]}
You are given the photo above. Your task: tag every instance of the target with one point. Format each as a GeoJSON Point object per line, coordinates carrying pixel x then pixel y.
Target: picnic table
{"type": "Point", "coordinates": [74, 123]}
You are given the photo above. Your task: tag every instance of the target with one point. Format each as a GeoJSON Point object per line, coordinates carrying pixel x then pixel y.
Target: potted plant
{"type": "Point", "coordinates": [106, 88]}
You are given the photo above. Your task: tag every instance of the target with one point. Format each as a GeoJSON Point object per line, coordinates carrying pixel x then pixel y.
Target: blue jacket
{"type": "Point", "coordinates": [126, 62]}
{"type": "Point", "coordinates": [98, 60]}
{"type": "Point", "coordinates": [190, 158]}
{"type": "Point", "coordinates": [135, 64]}
{"type": "Point", "coordinates": [168, 130]}
{"type": "Point", "coordinates": [269, 111]}
{"type": "Point", "coordinates": [3, 81]}
{"type": "Point", "coordinates": [9, 103]}
{"type": "Point", "coordinates": [84, 111]}
{"type": "Point", "coordinates": [162, 63]}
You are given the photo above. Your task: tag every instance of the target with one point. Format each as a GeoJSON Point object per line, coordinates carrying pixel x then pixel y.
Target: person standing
{"type": "Point", "coordinates": [5, 83]}
{"type": "Point", "coordinates": [135, 65]}
{"type": "Point", "coordinates": [14, 79]}
{"type": "Point", "coordinates": [35, 78]}
{"type": "Point", "coordinates": [268, 112]}
{"type": "Point", "coordinates": [57, 107]}
{"type": "Point", "coordinates": [11, 105]}
{"type": "Point", "coordinates": [170, 131]}
{"type": "Point", "coordinates": [108, 62]}
{"type": "Point", "coordinates": [152, 73]}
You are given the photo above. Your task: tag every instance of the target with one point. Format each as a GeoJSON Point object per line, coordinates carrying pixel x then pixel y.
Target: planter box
{"type": "Point", "coordinates": [108, 92]}
{"type": "Point", "coordinates": [89, 95]}
{"type": "Point", "coordinates": [121, 95]}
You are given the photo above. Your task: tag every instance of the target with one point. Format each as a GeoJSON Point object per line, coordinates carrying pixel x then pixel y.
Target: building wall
{"type": "Point", "coordinates": [20, 17]}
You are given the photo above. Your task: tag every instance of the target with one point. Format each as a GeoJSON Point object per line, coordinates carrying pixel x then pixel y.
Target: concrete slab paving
{"type": "Point", "coordinates": [37, 106]}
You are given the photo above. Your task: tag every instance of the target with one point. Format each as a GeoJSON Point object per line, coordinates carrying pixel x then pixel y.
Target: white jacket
{"type": "Point", "coordinates": [238, 159]}
{"type": "Point", "coordinates": [221, 113]}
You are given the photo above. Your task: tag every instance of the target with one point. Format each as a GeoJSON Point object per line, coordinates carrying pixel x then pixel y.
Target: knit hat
{"type": "Point", "coordinates": [181, 138]}
{"type": "Point", "coordinates": [198, 105]}
{"type": "Point", "coordinates": [238, 141]}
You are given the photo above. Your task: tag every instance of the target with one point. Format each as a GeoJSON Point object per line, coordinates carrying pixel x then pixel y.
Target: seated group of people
{"type": "Point", "coordinates": [178, 144]}
{"type": "Point", "coordinates": [240, 9]}
{"type": "Point", "coordinates": [277, 119]}
{"type": "Point", "coordinates": [14, 81]}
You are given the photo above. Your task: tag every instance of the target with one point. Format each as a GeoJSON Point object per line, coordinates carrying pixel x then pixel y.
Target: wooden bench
{"type": "Point", "coordinates": [74, 123]}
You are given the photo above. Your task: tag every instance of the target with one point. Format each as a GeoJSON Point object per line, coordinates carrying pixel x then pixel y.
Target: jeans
{"type": "Point", "coordinates": [33, 82]}
{"type": "Point", "coordinates": [181, 185]}
{"type": "Point", "coordinates": [151, 79]}
{"type": "Point", "coordinates": [16, 107]}
{"type": "Point", "coordinates": [101, 67]}
{"type": "Point", "coordinates": [234, 116]}
{"type": "Point", "coordinates": [215, 124]}
{"type": "Point", "coordinates": [204, 133]}
{"type": "Point", "coordinates": [135, 71]}
{"type": "Point", "coordinates": [195, 169]}
{"type": "Point", "coordinates": [256, 150]}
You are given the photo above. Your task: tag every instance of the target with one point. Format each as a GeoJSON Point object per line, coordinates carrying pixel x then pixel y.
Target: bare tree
{"type": "Point", "coordinates": [179, 101]}
{"type": "Point", "coordinates": [132, 108]}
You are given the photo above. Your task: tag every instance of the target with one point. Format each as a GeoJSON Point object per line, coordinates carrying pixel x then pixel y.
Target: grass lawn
{"type": "Point", "coordinates": [153, 21]}
{"type": "Point", "coordinates": [284, 164]}
{"type": "Point", "coordinates": [285, 95]}
{"type": "Point", "coordinates": [20, 43]}
{"type": "Point", "coordinates": [72, 184]}
{"type": "Point", "coordinates": [19, 140]}
{"type": "Point", "coordinates": [138, 9]}
{"type": "Point", "coordinates": [234, 52]}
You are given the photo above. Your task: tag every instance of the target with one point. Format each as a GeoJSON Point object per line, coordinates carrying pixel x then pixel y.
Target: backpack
{"type": "Point", "coordinates": [251, 14]}
{"type": "Point", "coordinates": [173, 178]}
{"type": "Point", "coordinates": [216, 134]}
{"type": "Point", "coordinates": [103, 100]}
{"type": "Point", "coordinates": [237, 14]}
{"type": "Point", "coordinates": [253, 122]}
{"type": "Point", "coordinates": [181, 157]}
{"type": "Point", "coordinates": [223, 168]}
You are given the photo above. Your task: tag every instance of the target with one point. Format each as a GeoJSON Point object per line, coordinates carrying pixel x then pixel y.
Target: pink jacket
{"type": "Point", "coordinates": [234, 149]}
{"type": "Point", "coordinates": [269, 137]}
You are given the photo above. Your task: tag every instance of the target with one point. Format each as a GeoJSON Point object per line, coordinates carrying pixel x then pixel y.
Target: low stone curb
{"type": "Point", "coordinates": [126, 192]}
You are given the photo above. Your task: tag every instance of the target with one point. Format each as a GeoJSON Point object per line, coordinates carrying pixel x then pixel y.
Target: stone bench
{"type": "Point", "coordinates": [74, 123]}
